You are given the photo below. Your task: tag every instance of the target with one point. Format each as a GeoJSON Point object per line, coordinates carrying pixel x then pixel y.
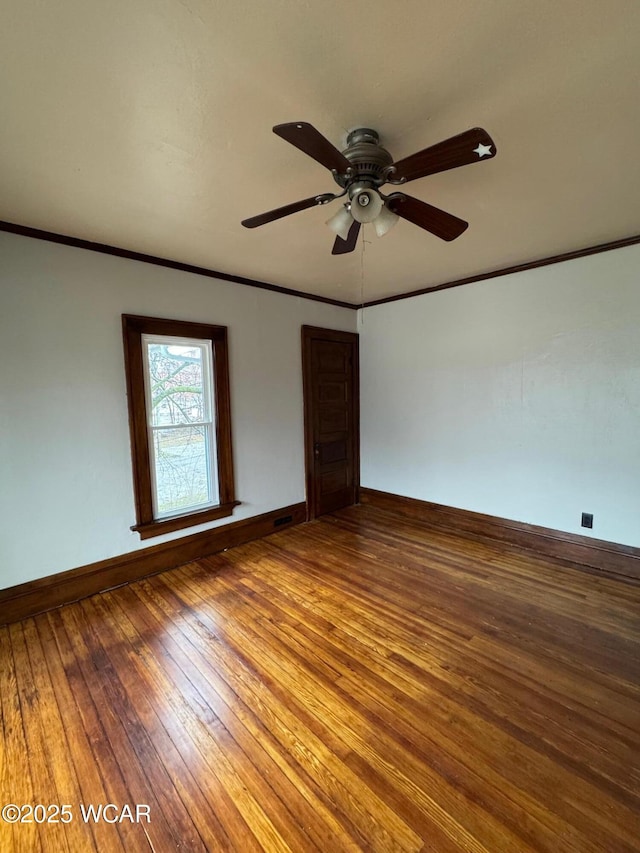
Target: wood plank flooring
{"type": "Point", "coordinates": [358, 683]}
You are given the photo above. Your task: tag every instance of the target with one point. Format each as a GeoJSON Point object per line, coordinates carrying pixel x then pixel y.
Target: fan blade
{"type": "Point", "coordinates": [342, 247]}
{"type": "Point", "coordinates": [472, 146]}
{"type": "Point", "coordinates": [439, 222]}
{"type": "Point", "coordinates": [279, 212]}
{"type": "Point", "coordinates": [305, 137]}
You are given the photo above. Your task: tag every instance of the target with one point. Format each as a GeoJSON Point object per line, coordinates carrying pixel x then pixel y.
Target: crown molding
{"type": "Point", "coordinates": [105, 249]}
{"type": "Point", "coordinates": [529, 265]}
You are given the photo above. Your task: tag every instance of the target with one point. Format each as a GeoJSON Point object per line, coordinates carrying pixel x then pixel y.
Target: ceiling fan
{"type": "Point", "coordinates": [365, 166]}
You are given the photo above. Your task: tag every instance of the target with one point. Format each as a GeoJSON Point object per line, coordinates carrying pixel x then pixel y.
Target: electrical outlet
{"type": "Point", "coordinates": [587, 520]}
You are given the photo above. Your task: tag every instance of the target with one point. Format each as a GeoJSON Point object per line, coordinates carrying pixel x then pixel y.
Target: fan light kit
{"type": "Point", "coordinates": [365, 166]}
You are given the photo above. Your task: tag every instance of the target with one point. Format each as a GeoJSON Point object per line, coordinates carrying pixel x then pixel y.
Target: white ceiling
{"type": "Point", "coordinates": [147, 125]}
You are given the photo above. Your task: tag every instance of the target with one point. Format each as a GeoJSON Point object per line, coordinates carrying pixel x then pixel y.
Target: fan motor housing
{"type": "Point", "coordinates": [368, 158]}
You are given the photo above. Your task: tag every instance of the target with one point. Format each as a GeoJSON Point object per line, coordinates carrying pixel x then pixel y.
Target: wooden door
{"type": "Point", "coordinates": [332, 422]}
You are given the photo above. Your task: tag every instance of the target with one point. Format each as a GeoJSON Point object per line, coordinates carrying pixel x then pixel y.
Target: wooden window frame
{"type": "Point", "coordinates": [133, 328]}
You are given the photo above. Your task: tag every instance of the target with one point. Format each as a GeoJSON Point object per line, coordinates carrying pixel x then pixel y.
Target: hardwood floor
{"type": "Point", "coordinates": [358, 683]}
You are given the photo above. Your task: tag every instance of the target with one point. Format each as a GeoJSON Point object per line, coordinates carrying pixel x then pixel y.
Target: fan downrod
{"type": "Point", "coordinates": [363, 134]}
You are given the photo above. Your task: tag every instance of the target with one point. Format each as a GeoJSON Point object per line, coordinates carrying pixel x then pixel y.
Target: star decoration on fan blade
{"type": "Point", "coordinates": [482, 150]}
{"type": "Point", "coordinates": [364, 167]}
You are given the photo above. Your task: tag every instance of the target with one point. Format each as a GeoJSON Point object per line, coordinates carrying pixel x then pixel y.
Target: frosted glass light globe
{"type": "Point", "coordinates": [341, 222]}
{"type": "Point", "coordinates": [366, 205]}
{"type": "Point", "coordinates": [385, 221]}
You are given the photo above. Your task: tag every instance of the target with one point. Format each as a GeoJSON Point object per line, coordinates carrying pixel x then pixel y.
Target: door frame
{"type": "Point", "coordinates": [310, 333]}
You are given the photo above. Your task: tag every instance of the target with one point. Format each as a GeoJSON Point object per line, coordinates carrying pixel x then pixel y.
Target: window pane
{"type": "Point", "coordinates": [182, 469]}
{"type": "Point", "coordinates": [176, 384]}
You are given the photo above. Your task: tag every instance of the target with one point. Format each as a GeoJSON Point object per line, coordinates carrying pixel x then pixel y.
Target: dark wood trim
{"type": "Point", "coordinates": [179, 522]}
{"type": "Point", "coordinates": [308, 333]}
{"type": "Point", "coordinates": [133, 365]}
{"type": "Point", "coordinates": [595, 553]}
{"type": "Point", "coordinates": [27, 599]}
{"type": "Point", "coordinates": [530, 265]}
{"type": "Point", "coordinates": [308, 424]}
{"type": "Point", "coordinates": [223, 425]}
{"type": "Point", "coordinates": [133, 327]}
{"type": "Point", "coordinates": [105, 249]}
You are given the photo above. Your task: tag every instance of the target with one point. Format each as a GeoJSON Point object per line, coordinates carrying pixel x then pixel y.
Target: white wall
{"type": "Point", "coordinates": [66, 493]}
{"type": "Point", "coordinates": [518, 396]}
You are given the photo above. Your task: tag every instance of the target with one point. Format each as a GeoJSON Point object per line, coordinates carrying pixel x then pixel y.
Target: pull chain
{"type": "Point", "coordinates": [362, 279]}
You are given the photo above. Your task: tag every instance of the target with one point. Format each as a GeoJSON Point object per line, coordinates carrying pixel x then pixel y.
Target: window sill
{"type": "Point", "coordinates": [168, 525]}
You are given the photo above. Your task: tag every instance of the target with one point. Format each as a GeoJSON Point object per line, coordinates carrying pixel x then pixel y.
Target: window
{"type": "Point", "coordinates": [179, 416]}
